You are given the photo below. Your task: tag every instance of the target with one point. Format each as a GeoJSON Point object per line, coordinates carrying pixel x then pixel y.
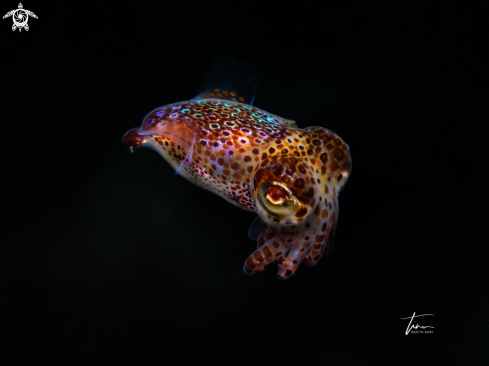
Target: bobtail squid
{"type": "Point", "coordinates": [263, 163]}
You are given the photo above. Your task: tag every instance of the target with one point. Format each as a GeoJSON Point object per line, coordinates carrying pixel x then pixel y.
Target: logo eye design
{"type": "Point", "coordinates": [277, 199]}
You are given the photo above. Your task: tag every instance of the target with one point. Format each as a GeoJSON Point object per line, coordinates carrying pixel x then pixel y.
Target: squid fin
{"type": "Point", "coordinates": [256, 228]}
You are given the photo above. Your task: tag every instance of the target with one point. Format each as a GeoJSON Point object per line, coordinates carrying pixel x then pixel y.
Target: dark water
{"type": "Point", "coordinates": [109, 258]}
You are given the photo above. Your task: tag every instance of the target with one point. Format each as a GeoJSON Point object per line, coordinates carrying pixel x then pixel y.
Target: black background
{"type": "Point", "coordinates": [109, 258]}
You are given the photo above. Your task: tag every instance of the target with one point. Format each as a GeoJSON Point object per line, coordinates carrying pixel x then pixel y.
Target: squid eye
{"type": "Point", "coordinates": [276, 195]}
{"type": "Point", "coordinates": [277, 199]}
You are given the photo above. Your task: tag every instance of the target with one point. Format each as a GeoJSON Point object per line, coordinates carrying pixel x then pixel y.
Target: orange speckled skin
{"type": "Point", "coordinates": [262, 163]}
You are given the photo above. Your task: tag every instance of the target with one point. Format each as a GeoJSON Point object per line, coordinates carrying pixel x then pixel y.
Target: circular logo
{"type": "Point", "coordinates": [20, 17]}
